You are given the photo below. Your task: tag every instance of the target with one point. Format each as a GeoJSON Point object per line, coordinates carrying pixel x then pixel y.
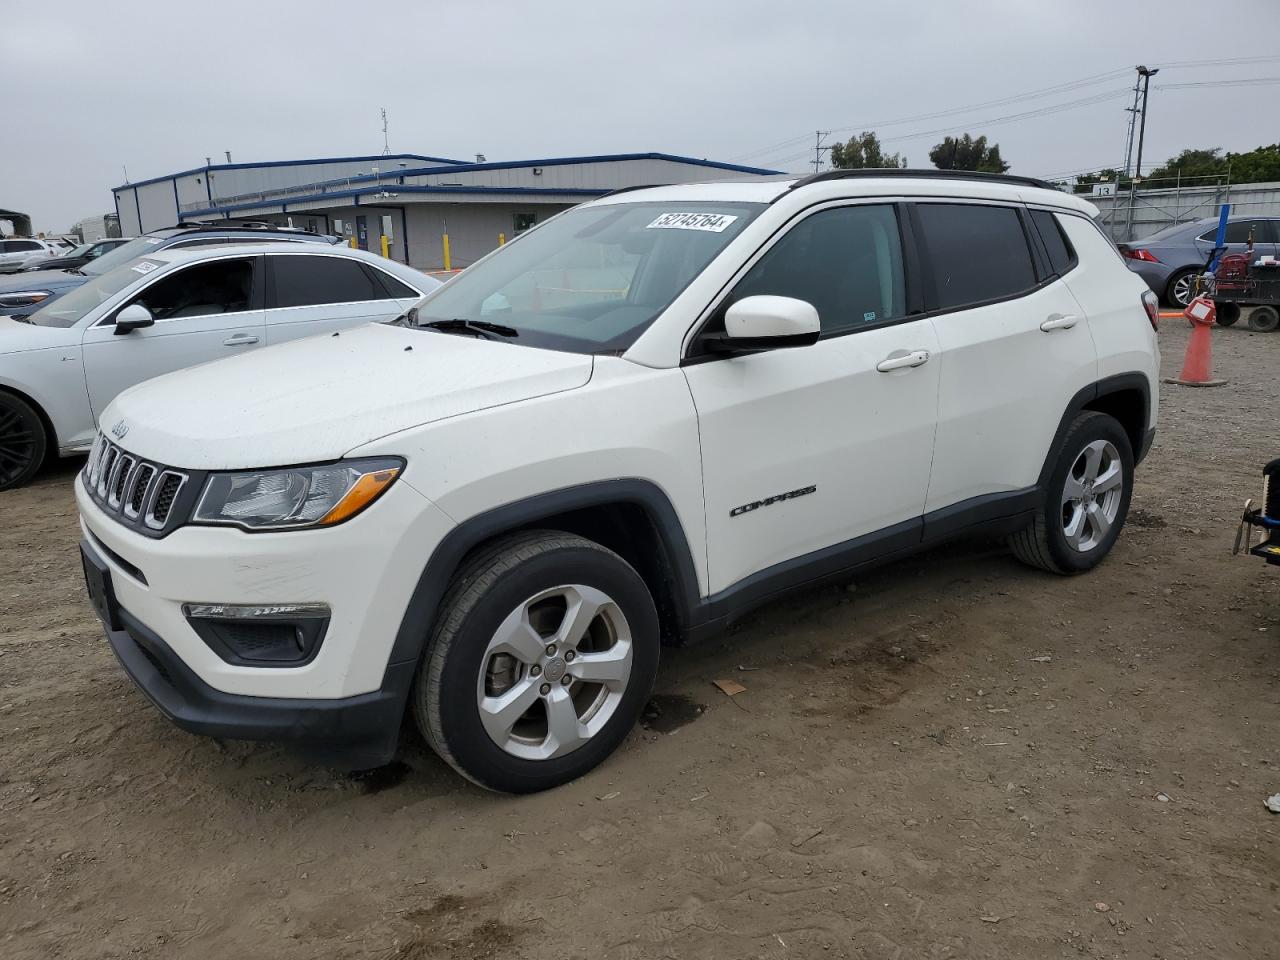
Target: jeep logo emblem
{"type": "Point", "coordinates": [119, 430]}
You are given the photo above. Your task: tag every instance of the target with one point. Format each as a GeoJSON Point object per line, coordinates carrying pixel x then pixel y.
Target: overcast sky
{"type": "Point", "coordinates": [89, 87]}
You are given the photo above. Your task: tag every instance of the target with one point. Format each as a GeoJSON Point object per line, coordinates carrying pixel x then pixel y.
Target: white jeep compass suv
{"type": "Point", "coordinates": [633, 424]}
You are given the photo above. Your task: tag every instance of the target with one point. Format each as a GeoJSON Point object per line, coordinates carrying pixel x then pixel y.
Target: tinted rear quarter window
{"type": "Point", "coordinates": [302, 281]}
{"type": "Point", "coordinates": [976, 253]}
{"type": "Point", "coordinates": [1061, 257]}
{"type": "Point", "coordinates": [401, 291]}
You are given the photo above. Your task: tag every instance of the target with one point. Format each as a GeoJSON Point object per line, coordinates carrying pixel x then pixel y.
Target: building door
{"type": "Point", "coordinates": [362, 232]}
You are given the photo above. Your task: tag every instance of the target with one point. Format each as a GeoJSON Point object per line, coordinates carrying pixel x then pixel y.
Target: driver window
{"type": "Point", "coordinates": [846, 261]}
{"type": "Point", "coordinates": [223, 286]}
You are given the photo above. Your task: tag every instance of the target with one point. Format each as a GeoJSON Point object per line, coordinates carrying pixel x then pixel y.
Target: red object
{"type": "Point", "coordinates": [1151, 303]}
{"type": "Point", "coordinates": [1197, 367]}
{"type": "Point", "coordinates": [1139, 254]}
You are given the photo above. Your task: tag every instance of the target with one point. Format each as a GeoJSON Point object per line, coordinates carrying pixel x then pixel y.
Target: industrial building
{"type": "Point", "coordinates": [435, 213]}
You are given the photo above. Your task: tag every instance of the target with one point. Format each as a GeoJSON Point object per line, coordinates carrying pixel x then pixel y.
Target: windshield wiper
{"type": "Point", "coordinates": [482, 327]}
{"type": "Point", "coordinates": [76, 270]}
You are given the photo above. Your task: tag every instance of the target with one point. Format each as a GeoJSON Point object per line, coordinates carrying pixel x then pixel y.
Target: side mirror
{"type": "Point", "coordinates": [132, 318]}
{"type": "Point", "coordinates": [755, 324]}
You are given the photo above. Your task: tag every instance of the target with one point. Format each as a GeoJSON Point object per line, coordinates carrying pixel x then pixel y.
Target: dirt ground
{"type": "Point", "coordinates": [906, 775]}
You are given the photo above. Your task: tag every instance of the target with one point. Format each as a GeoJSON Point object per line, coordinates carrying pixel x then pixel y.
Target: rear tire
{"type": "Point", "coordinates": [544, 654]}
{"type": "Point", "coordinates": [1264, 319]}
{"type": "Point", "coordinates": [22, 441]}
{"type": "Point", "coordinates": [1086, 499]}
{"type": "Point", "coordinates": [1180, 288]}
{"type": "Point", "coordinates": [1227, 312]}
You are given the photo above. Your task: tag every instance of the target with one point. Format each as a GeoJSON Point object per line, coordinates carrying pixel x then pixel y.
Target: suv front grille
{"type": "Point", "coordinates": [133, 491]}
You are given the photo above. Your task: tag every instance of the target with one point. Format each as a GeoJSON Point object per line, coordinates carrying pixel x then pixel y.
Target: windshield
{"type": "Point", "coordinates": [121, 255]}
{"type": "Point", "coordinates": [77, 251]}
{"type": "Point", "coordinates": [68, 310]}
{"type": "Point", "coordinates": [592, 279]}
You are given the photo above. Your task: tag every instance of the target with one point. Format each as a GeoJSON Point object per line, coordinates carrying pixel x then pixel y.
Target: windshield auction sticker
{"type": "Point", "coordinates": [711, 222]}
{"type": "Point", "coordinates": [144, 266]}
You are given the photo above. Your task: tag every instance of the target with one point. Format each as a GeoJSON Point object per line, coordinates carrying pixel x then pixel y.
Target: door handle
{"type": "Point", "coordinates": [901, 359]}
{"type": "Point", "coordinates": [1059, 321]}
{"type": "Point", "coordinates": [240, 340]}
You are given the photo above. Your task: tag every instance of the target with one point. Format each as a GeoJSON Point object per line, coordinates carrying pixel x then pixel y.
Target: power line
{"type": "Point", "coordinates": [1012, 117]}
{"type": "Point", "coordinates": [1244, 82]}
{"type": "Point", "coordinates": [1225, 62]}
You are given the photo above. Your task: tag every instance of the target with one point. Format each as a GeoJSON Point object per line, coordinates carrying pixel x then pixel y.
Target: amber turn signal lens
{"type": "Point", "coordinates": [365, 490]}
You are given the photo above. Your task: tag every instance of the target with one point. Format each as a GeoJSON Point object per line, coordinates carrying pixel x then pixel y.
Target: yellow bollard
{"type": "Point", "coordinates": [386, 251]}
{"type": "Point", "coordinates": [502, 239]}
{"type": "Point", "coordinates": [448, 265]}
{"type": "Point", "coordinates": [352, 243]}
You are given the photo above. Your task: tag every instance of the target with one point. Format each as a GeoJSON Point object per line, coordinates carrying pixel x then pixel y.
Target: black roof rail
{"type": "Point", "coordinates": [232, 225]}
{"type": "Point", "coordinates": [886, 172]}
{"type": "Point", "coordinates": [638, 186]}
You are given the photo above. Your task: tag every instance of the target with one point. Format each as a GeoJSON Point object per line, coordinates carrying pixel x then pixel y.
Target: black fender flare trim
{"type": "Point", "coordinates": [1117, 383]}
{"type": "Point", "coordinates": [420, 615]}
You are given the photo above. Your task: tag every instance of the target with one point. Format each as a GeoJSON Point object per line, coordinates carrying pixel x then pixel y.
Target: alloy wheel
{"type": "Point", "coordinates": [1183, 288]}
{"type": "Point", "coordinates": [1091, 495]}
{"type": "Point", "coordinates": [554, 672]}
{"type": "Point", "coordinates": [17, 445]}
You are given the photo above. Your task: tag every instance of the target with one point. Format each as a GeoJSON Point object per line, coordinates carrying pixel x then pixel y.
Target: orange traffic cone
{"type": "Point", "coordinates": [1197, 367]}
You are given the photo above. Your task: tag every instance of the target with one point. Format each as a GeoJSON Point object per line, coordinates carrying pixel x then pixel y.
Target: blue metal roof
{"type": "Point", "coordinates": [459, 166]}
{"type": "Point", "coordinates": [288, 163]}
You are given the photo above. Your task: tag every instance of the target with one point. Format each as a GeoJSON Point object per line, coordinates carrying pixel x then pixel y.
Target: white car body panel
{"type": "Point", "coordinates": [364, 383]}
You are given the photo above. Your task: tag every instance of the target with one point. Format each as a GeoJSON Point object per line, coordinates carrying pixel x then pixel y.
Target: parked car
{"type": "Point", "coordinates": [61, 365]}
{"type": "Point", "coordinates": [1170, 259]}
{"type": "Point", "coordinates": [16, 251]}
{"type": "Point", "coordinates": [637, 421]}
{"type": "Point", "coordinates": [19, 295]}
{"type": "Point", "coordinates": [74, 258]}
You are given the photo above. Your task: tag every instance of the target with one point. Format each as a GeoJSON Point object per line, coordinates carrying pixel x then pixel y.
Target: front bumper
{"type": "Point", "coordinates": [354, 732]}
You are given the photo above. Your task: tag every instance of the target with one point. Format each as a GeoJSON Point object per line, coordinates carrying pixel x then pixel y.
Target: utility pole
{"type": "Point", "coordinates": [1144, 77]}
{"type": "Point", "coordinates": [819, 149]}
{"type": "Point", "coordinates": [1133, 123]}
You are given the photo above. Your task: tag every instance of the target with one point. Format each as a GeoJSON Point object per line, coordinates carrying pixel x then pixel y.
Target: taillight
{"type": "Point", "coordinates": [1151, 303]}
{"type": "Point", "coordinates": [1137, 253]}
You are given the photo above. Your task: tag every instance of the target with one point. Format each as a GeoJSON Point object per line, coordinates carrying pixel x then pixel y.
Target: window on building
{"type": "Point", "coordinates": [847, 262]}
{"type": "Point", "coordinates": [976, 253]}
{"type": "Point", "coordinates": [302, 281]}
{"type": "Point", "coordinates": [523, 221]}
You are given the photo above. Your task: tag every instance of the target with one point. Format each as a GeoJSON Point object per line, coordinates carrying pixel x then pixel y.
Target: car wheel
{"type": "Point", "coordinates": [544, 654]}
{"type": "Point", "coordinates": [1085, 501]}
{"type": "Point", "coordinates": [1181, 288]}
{"type": "Point", "coordinates": [1226, 312]}
{"type": "Point", "coordinates": [22, 441]}
{"type": "Point", "coordinates": [1264, 319]}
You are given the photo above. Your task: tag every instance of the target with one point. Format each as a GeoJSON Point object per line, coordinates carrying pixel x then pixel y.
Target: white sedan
{"type": "Point", "coordinates": [61, 365]}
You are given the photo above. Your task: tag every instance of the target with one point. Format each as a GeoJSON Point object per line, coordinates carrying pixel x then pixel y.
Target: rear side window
{"type": "Point", "coordinates": [846, 261]}
{"type": "Point", "coordinates": [401, 291]}
{"type": "Point", "coordinates": [20, 246]}
{"type": "Point", "coordinates": [975, 253]}
{"type": "Point", "coordinates": [303, 281]}
{"type": "Point", "coordinates": [1061, 257]}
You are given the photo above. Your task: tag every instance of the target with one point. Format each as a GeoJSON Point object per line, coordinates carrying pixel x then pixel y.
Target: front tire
{"type": "Point", "coordinates": [22, 441]}
{"type": "Point", "coordinates": [544, 654]}
{"type": "Point", "coordinates": [1086, 499]}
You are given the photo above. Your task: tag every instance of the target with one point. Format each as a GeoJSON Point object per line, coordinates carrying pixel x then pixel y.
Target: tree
{"type": "Point", "coordinates": [864, 151]}
{"type": "Point", "coordinates": [966, 153]}
{"type": "Point", "coordinates": [1259, 165]}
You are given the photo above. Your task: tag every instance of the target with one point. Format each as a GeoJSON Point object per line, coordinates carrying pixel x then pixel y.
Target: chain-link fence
{"type": "Point", "coordinates": [1132, 214]}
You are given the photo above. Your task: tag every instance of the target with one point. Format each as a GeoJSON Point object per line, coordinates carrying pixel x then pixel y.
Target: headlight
{"type": "Point", "coordinates": [23, 298]}
{"type": "Point", "coordinates": [295, 497]}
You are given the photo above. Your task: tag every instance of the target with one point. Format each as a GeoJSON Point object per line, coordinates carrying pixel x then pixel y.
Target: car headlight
{"type": "Point", "coordinates": [295, 497]}
{"type": "Point", "coordinates": [24, 298]}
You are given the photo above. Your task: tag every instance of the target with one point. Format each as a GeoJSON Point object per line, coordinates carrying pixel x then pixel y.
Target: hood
{"type": "Point", "coordinates": [315, 399]}
{"type": "Point", "coordinates": [41, 280]}
{"type": "Point", "coordinates": [17, 337]}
